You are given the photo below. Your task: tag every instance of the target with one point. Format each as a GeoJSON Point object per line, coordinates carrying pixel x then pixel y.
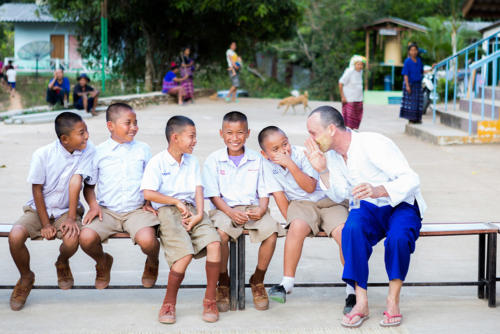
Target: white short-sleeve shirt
{"type": "Point", "coordinates": [375, 159]}
{"type": "Point", "coordinates": [117, 169]}
{"type": "Point", "coordinates": [11, 75]}
{"type": "Point", "coordinates": [352, 82]}
{"type": "Point", "coordinates": [166, 176]}
{"type": "Point", "coordinates": [277, 178]}
{"type": "Point", "coordinates": [237, 185]}
{"type": "Point", "coordinates": [229, 54]}
{"type": "Point", "coordinates": [53, 166]}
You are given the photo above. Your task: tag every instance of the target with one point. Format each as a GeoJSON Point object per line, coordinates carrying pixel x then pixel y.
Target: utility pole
{"type": "Point", "coordinates": [104, 42]}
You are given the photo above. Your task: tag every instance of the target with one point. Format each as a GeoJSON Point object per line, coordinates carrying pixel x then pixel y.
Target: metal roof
{"type": "Point", "coordinates": [489, 27]}
{"type": "Point", "coordinates": [396, 21]}
{"type": "Point", "coordinates": [25, 12]}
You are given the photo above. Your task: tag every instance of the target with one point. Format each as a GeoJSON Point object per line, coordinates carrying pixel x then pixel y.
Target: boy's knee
{"type": "Point", "coordinates": [272, 238]}
{"type": "Point", "coordinates": [213, 247]}
{"type": "Point", "coordinates": [223, 235]}
{"type": "Point", "coordinates": [88, 237]}
{"type": "Point", "coordinates": [71, 241]}
{"type": "Point", "coordinates": [298, 228]}
{"type": "Point", "coordinates": [18, 235]}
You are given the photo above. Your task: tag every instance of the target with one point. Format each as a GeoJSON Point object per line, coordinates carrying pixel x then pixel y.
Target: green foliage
{"type": "Point", "coordinates": [441, 89]}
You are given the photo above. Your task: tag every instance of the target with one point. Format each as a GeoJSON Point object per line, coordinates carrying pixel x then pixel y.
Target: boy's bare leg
{"type": "Point", "coordinates": [146, 239]}
{"type": "Point", "coordinates": [224, 250]}
{"type": "Point", "coordinates": [337, 236]}
{"type": "Point", "coordinates": [96, 100]}
{"type": "Point", "coordinates": [85, 102]}
{"type": "Point", "coordinates": [17, 239]}
{"type": "Point", "coordinates": [266, 251]}
{"type": "Point", "coordinates": [91, 244]}
{"type": "Point", "coordinates": [294, 242]}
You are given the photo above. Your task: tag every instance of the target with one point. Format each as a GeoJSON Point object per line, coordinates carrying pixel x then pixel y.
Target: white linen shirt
{"type": "Point", "coordinates": [117, 169]}
{"type": "Point", "coordinates": [166, 176]}
{"type": "Point", "coordinates": [53, 166]}
{"type": "Point", "coordinates": [353, 85]}
{"type": "Point", "coordinates": [277, 178]}
{"type": "Point", "coordinates": [236, 185]}
{"type": "Point", "coordinates": [374, 159]}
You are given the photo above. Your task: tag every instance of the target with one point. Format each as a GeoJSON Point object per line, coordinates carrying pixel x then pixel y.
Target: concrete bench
{"type": "Point", "coordinates": [487, 253]}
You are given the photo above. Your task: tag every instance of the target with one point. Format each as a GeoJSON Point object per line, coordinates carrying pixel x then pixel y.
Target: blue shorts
{"type": "Point", "coordinates": [12, 84]}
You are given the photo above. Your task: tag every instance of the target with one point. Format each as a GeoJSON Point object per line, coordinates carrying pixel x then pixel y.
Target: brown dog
{"type": "Point", "coordinates": [292, 101]}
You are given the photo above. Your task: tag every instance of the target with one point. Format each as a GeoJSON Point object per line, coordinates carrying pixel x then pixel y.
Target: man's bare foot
{"type": "Point", "coordinates": [392, 316]}
{"type": "Point", "coordinates": [359, 308]}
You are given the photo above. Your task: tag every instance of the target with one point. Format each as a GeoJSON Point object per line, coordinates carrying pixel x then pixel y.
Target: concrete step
{"type": "Point", "coordinates": [45, 117]}
{"type": "Point", "coordinates": [488, 90]}
{"type": "Point", "coordinates": [476, 107]}
{"type": "Point", "coordinates": [458, 119]}
{"type": "Point", "coordinates": [440, 134]}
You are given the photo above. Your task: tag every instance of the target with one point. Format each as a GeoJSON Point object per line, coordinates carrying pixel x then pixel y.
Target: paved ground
{"type": "Point", "coordinates": [460, 183]}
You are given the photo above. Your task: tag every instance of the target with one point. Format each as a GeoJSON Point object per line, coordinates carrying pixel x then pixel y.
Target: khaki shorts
{"type": "Point", "coordinates": [114, 222]}
{"type": "Point", "coordinates": [31, 222]}
{"type": "Point", "coordinates": [258, 230]}
{"type": "Point", "coordinates": [177, 242]}
{"type": "Point", "coordinates": [325, 215]}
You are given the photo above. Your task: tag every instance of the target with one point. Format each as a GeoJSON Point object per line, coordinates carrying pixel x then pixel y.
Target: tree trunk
{"type": "Point", "coordinates": [150, 70]}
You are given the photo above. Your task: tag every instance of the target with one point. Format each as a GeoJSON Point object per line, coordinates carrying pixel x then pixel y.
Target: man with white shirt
{"type": "Point", "coordinates": [371, 171]}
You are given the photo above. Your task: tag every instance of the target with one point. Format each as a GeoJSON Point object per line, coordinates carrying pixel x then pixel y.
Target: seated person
{"type": "Point", "coordinates": [171, 83]}
{"type": "Point", "coordinates": [58, 89]}
{"type": "Point", "coordinates": [85, 96]}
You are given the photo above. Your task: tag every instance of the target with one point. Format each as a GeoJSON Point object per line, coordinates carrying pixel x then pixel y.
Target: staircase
{"type": "Point", "coordinates": [471, 120]}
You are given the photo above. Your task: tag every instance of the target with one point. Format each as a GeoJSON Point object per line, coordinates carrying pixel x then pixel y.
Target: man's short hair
{"type": "Point", "coordinates": [234, 117]}
{"type": "Point", "coordinates": [114, 110]}
{"type": "Point", "coordinates": [266, 132]}
{"type": "Point", "coordinates": [329, 115]}
{"type": "Point", "coordinates": [65, 122]}
{"type": "Point", "coordinates": [176, 124]}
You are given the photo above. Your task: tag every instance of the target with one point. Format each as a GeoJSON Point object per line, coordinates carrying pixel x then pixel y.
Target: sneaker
{"type": "Point", "coordinates": [210, 312]}
{"type": "Point", "coordinates": [260, 299]}
{"type": "Point", "coordinates": [167, 314]}
{"type": "Point", "coordinates": [20, 294]}
{"type": "Point", "coordinates": [350, 301]}
{"type": "Point", "coordinates": [103, 272]}
{"type": "Point", "coordinates": [222, 298]}
{"type": "Point", "coordinates": [150, 274]}
{"type": "Point", "coordinates": [278, 293]}
{"type": "Point", "coordinates": [64, 275]}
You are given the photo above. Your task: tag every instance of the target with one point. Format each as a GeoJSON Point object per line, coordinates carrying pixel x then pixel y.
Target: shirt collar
{"type": "Point", "coordinates": [65, 152]}
{"type": "Point", "coordinates": [171, 161]}
{"type": "Point", "coordinates": [113, 144]}
{"type": "Point", "coordinates": [247, 156]}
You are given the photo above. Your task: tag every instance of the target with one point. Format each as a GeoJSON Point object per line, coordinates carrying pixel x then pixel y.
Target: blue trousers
{"type": "Point", "coordinates": [369, 224]}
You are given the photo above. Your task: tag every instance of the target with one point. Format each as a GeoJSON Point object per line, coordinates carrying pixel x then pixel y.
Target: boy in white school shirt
{"type": "Point", "coordinates": [117, 170]}
{"type": "Point", "coordinates": [54, 211]}
{"type": "Point", "coordinates": [294, 184]}
{"type": "Point", "coordinates": [233, 180]}
{"type": "Point", "coordinates": [172, 182]}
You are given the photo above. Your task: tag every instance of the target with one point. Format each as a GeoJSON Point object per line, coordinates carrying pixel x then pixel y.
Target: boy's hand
{"type": "Point", "coordinates": [94, 211]}
{"type": "Point", "coordinates": [148, 207]}
{"type": "Point", "coordinates": [255, 213]}
{"type": "Point", "coordinates": [70, 228]}
{"type": "Point", "coordinates": [189, 222]}
{"type": "Point", "coordinates": [283, 160]}
{"type": "Point", "coordinates": [48, 232]}
{"type": "Point", "coordinates": [183, 209]}
{"type": "Point", "coordinates": [238, 216]}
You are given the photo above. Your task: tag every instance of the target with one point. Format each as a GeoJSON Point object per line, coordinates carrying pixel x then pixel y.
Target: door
{"type": "Point", "coordinates": [57, 42]}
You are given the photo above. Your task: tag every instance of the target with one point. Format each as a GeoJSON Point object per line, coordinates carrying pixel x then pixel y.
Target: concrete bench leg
{"type": "Point", "coordinates": [481, 276]}
{"type": "Point", "coordinates": [241, 272]}
{"type": "Point", "coordinates": [491, 269]}
{"type": "Point", "coordinates": [233, 275]}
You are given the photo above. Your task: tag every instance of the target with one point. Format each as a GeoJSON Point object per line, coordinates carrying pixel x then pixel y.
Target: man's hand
{"type": "Point", "coordinates": [366, 190]}
{"type": "Point", "coordinates": [189, 222]}
{"type": "Point", "coordinates": [238, 216]}
{"type": "Point", "coordinates": [94, 211]}
{"type": "Point", "coordinates": [148, 207]}
{"type": "Point", "coordinates": [70, 228]}
{"type": "Point", "coordinates": [315, 156]}
{"type": "Point", "coordinates": [48, 232]}
{"type": "Point", "coordinates": [185, 213]}
{"type": "Point", "coordinates": [343, 99]}
{"type": "Point", "coordinates": [255, 213]}
{"type": "Point", "coordinates": [284, 160]}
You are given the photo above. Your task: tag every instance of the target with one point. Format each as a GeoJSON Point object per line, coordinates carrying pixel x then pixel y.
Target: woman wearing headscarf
{"type": "Point", "coordinates": [351, 92]}
{"type": "Point", "coordinates": [413, 69]}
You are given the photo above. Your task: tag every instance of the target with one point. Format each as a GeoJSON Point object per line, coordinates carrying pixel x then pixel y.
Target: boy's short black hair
{"type": "Point", "coordinates": [267, 131]}
{"type": "Point", "coordinates": [235, 116]}
{"type": "Point", "coordinates": [115, 109]}
{"type": "Point", "coordinates": [176, 124]}
{"type": "Point", "coordinates": [65, 122]}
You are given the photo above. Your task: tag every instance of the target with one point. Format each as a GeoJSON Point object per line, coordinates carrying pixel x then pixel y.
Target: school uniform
{"type": "Point", "coordinates": [240, 187]}
{"type": "Point", "coordinates": [166, 176]}
{"type": "Point", "coordinates": [316, 209]}
{"type": "Point", "coordinates": [117, 170]}
{"type": "Point", "coordinates": [373, 158]}
{"type": "Point", "coordinates": [53, 166]}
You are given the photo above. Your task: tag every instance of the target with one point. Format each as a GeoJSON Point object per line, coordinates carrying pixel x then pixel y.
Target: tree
{"type": "Point", "coordinates": [145, 35]}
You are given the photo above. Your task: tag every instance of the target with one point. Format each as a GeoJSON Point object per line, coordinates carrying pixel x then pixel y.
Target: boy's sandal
{"type": "Point", "coordinates": [362, 318]}
{"type": "Point", "coordinates": [388, 317]}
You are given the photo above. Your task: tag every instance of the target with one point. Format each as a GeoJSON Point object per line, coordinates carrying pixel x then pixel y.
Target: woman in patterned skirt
{"type": "Point", "coordinates": [413, 69]}
{"type": "Point", "coordinates": [351, 92]}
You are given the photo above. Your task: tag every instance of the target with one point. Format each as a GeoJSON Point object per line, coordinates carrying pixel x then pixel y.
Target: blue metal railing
{"type": "Point", "coordinates": [463, 56]}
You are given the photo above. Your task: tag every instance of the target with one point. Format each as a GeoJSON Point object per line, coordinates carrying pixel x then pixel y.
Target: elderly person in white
{"type": "Point", "coordinates": [371, 171]}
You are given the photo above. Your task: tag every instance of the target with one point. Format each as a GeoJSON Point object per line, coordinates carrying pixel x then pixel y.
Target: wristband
{"type": "Point", "coordinates": [324, 171]}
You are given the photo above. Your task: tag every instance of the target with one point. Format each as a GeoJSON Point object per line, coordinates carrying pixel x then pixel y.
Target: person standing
{"type": "Point", "coordinates": [413, 69]}
{"type": "Point", "coordinates": [58, 89]}
{"type": "Point", "coordinates": [187, 69]}
{"type": "Point", "coordinates": [234, 65]}
{"type": "Point", "coordinates": [11, 77]}
{"type": "Point", "coordinates": [351, 92]}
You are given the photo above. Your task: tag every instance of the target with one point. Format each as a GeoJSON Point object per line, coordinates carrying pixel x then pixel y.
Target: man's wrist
{"type": "Point", "coordinates": [324, 171]}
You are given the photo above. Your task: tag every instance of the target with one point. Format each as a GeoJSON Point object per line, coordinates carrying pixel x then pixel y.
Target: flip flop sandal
{"type": "Point", "coordinates": [388, 317]}
{"type": "Point", "coordinates": [362, 318]}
